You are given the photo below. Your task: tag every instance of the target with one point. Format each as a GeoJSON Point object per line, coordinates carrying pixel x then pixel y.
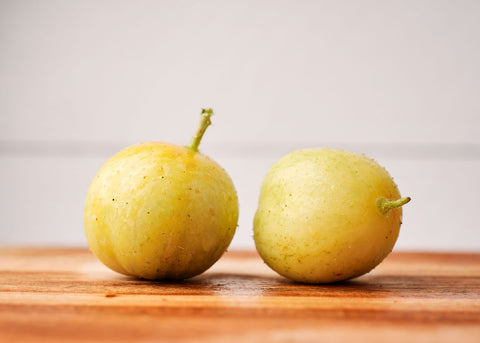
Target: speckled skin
{"type": "Point", "coordinates": [317, 219]}
{"type": "Point", "coordinates": [160, 211]}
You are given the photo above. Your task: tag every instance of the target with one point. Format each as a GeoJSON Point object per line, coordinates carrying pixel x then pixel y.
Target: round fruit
{"type": "Point", "coordinates": [161, 211]}
{"type": "Point", "coordinates": [326, 215]}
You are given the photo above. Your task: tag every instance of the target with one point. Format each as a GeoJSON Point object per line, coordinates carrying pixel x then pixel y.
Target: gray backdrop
{"type": "Point", "coordinates": [397, 80]}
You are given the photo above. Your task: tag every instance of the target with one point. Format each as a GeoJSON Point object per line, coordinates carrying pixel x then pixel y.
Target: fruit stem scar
{"type": "Point", "coordinates": [202, 126]}
{"type": "Point", "coordinates": [385, 205]}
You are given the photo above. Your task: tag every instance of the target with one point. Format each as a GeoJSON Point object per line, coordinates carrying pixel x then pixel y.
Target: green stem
{"type": "Point", "coordinates": [202, 126]}
{"type": "Point", "coordinates": [385, 205]}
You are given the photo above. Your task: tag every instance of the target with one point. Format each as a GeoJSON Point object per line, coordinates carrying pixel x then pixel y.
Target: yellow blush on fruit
{"type": "Point", "coordinates": [161, 211]}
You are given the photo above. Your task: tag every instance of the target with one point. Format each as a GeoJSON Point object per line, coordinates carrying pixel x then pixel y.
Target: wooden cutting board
{"type": "Point", "coordinates": [66, 295]}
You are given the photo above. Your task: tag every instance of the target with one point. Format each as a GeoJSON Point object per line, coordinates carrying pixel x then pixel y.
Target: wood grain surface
{"type": "Point", "coordinates": [66, 295]}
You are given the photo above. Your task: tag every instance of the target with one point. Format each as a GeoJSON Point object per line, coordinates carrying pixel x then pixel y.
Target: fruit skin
{"type": "Point", "coordinates": [160, 211]}
{"type": "Point", "coordinates": [317, 219]}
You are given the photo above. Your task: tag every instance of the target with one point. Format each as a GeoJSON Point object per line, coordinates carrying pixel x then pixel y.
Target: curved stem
{"type": "Point", "coordinates": [385, 205]}
{"type": "Point", "coordinates": [202, 126]}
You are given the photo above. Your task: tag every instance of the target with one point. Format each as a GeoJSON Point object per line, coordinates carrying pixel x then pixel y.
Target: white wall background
{"type": "Point", "coordinates": [397, 80]}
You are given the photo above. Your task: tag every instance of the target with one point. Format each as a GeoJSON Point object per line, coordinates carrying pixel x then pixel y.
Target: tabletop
{"type": "Point", "coordinates": [67, 295]}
